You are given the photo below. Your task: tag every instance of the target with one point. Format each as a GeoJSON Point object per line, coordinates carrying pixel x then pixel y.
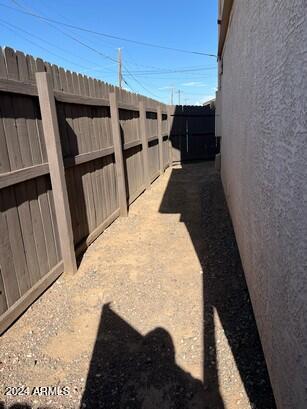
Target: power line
{"type": "Point", "coordinates": [142, 73]}
{"type": "Point", "coordinates": [47, 5]}
{"type": "Point", "coordinates": [13, 28]}
{"type": "Point", "coordinates": [63, 32]}
{"type": "Point", "coordinates": [128, 72]}
{"type": "Point", "coordinates": [132, 76]}
{"type": "Point", "coordinates": [162, 69]}
{"type": "Point", "coordinates": [38, 12]}
{"type": "Point", "coordinates": [142, 43]}
{"type": "Point", "coordinates": [128, 85]}
{"type": "Point", "coordinates": [187, 92]}
{"type": "Point", "coordinates": [189, 78]}
{"type": "Point", "coordinates": [120, 74]}
{"type": "Point", "coordinates": [7, 26]}
{"type": "Point", "coordinates": [94, 50]}
{"type": "Point", "coordinates": [143, 86]}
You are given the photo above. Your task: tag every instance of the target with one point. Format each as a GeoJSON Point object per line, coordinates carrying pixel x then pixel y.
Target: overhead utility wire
{"type": "Point", "coordinates": [128, 85]}
{"type": "Point", "coordinates": [171, 71]}
{"type": "Point", "coordinates": [142, 43]}
{"type": "Point", "coordinates": [140, 72]}
{"type": "Point", "coordinates": [95, 50]}
{"type": "Point", "coordinates": [13, 28]}
{"type": "Point", "coordinates": [7, 27]}
{"type": "Point", "coordinates": [139, 83]}
{"type": "Point", "coordinates": [161, 69]}
{"type": "Point", "coordinates": [63, 32]}
{"type": "Point", "coordinates": [143, 86]}
{"type": "Point", "coordinates": [176, 69]}
{"type": "Point", "coordinates": [155, 68]}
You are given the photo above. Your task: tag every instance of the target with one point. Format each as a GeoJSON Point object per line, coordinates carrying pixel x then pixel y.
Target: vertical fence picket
{"type": "Point", "coordinates": [144, 143]}
{"type": "Point", "coordinates": [56, 167]}
{"type": "Point", "coordinates": [169, 125]}
{"type": "Point", "coordinates": [160, 139]}
{"type": "Point", "coordinates": [39, 229]}
{"type": "Point", "coordinates": [118, 152]}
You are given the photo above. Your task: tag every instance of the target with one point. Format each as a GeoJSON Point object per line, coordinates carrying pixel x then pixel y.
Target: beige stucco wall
{"type": "Point", "coordinates": [264, 173]}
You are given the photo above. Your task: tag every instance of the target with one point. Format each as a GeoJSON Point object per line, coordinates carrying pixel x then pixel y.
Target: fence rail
{"type": "Point", "coordinates": [74, 153]}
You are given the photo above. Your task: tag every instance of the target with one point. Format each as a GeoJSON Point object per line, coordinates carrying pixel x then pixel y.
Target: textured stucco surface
{"type": "Point", "coordinates": [264, 173]}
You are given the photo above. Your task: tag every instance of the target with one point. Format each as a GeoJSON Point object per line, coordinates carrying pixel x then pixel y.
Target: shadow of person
{"type": "Point", "coordinates": [183, 196]}
{"type": "Point", "coordinates": [156, 381]}
{"type": "Point", "coordinates": [131, 371]}
{"type": "Point", "coordinates": [195, 193]}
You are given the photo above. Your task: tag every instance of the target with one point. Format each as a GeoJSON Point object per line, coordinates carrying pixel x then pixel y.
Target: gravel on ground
{"type": "Point", "coordinates": [158, 315]}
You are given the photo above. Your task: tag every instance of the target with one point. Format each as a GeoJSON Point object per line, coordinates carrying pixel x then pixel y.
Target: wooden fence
{"type": "Point", "coordinates": [192, 134]}
{"type": "Point", "coordinates": [74, 153]}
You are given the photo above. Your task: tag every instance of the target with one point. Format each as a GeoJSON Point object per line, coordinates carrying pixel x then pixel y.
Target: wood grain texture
{"type": "Point", "coordinates": [21, 175]}
{"type": "Point", "coordinates": [87, 157]}
{"type": "Point", "coordinates": [96, 233]}
{"type": "Point", "coordinates": [56, 166]}
{"type": "Point", "coordinates": [117, 143]}
{"type": "Point", "coordinates": [8, 273]}
{"type": "Point", "coordinates": [29, 297]}
{"type": "Point", "coordinates": [78, 171]}
{"type": "Point", "coordinates": [159, 120]}
{"type": "Point", "coordinates": [169, 127]}
{"type": "Point", "coordinates": [132, 144]}
{"type": "Point", "coordinates": [144, 140]}
{"type": "Point", "coordinates": [134, 170]}
{"type": "Point", "coordinates": [153, 155]}
{"type": "Point", "coordinates": [17, 87]}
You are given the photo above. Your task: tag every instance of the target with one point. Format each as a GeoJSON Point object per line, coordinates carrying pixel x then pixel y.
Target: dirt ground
{"type": "Point", "coordinates": [158, 315]}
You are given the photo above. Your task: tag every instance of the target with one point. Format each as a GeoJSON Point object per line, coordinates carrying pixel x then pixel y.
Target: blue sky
{"type": "Point", "coordinates": [149, 71]}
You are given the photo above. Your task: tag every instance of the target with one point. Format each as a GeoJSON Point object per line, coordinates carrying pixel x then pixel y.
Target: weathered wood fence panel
{"type": "Point", "coordinates": [165, 139]}
{"type": "Point", "coordinates": [29, 239]}
{"type": "Point", "coordinates": [153, 141]}
{"type": "Point", "coordinates": [165, 151]}
{"type": "Point", "coordinates": [192, 132]}
{"type": "Point", "coordinates": [93, 137]}
{"type": "Point", "coordinates": [133, 155]}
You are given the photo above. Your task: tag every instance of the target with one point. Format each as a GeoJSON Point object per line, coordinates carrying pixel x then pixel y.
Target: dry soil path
{"type": "Point", "coordinates": [158, 315]}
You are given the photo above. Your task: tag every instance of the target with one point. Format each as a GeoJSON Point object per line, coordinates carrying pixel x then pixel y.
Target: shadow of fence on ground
{"type": "Point", "coordinates": [195, 193]}
{"type": "Point", "coordinates": [131, 371]}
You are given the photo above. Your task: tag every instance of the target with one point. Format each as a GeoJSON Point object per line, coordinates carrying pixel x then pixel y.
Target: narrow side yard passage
{"type": "Point", "coordinates": [158, 315]}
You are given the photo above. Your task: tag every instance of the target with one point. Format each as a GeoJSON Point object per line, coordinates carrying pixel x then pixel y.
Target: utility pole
{"type": "Point", "coordinates": [179, 96]}
{"type": "Point", "coordinates": [120, 75]}
{"type": "Point", "coordinates": [172, 96]}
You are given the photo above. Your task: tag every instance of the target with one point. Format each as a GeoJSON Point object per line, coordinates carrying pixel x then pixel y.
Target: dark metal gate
{"type": "Point", "coordinates": [192, 133]}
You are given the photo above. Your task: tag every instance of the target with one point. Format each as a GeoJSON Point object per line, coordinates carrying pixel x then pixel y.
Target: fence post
{"type": "Point", "coordinates": [56, 168]}
{"type": "Point", "coordinates": [118, 152]}
{"type": "Point", "coordinates": [159, 118]}
{"type": "Point", "coordinates": [169, 125]}
{"type": "Point", "coordinates": [144, 143]}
